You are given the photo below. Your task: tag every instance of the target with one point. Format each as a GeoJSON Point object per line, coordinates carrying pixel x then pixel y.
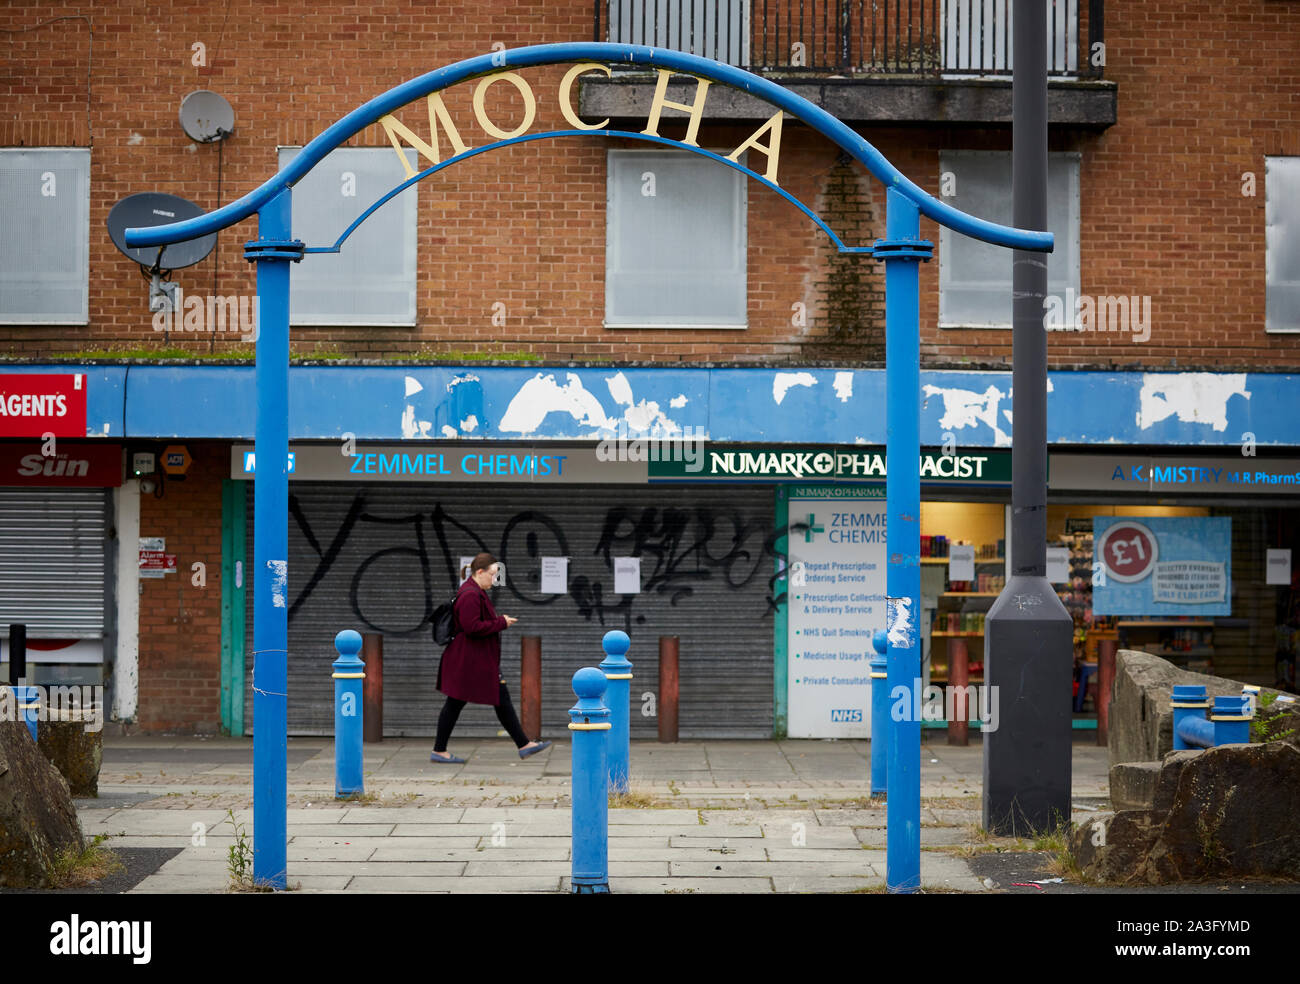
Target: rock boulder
{"type": "Point", "coordinates": [37, 816]}
{"type": "Point", "coordinates": [76, 750]}
{"type": "Point", "coordinates": [1141, 721]}
{"type": "Point", "coordinates": [1222, 812]}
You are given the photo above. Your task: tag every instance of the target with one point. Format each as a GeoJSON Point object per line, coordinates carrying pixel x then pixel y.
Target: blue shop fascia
{"type": "Point", "coordinates": [676, 482]}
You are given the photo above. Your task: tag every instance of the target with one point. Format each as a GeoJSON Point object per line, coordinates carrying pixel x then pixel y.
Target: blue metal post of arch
{"type": "Point", "coordinates": [272, 251]}
{"type": "Point", "coordinates": [903, 250]}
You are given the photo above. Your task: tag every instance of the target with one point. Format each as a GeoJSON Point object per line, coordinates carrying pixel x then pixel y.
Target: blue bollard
{"type": "Point", "coordinates": [27, 704]}
{"type": "Point", "coordinates": [1189, 703]}
{"type": "Point", "coordinates": [349, 675]}
{"type": "Point", "coordinates": [589, 722]}
{"type": "Point", "coordinates": [1231, 719]}
{"type": "Point", "coordinates": [1226, 723]}
{"type": "Point", "coordinates": [879, 714]}
{"type": "Point", "coordinates": [618, 697]}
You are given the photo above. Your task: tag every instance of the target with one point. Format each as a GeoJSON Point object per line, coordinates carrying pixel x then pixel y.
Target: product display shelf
{"type": "Point", "coordinates": [1189, 642]}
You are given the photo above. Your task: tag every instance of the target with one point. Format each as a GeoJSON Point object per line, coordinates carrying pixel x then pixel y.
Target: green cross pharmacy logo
{"type": "Point", "coordinates": [812, 528]}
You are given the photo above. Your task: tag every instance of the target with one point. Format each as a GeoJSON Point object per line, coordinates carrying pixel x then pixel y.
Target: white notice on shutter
{"type": "Point", "coordinates": [961, 562]}
{"type": "Point", "coordinates": [464, 568]}
{"type": "Point", "coordinates": [627, 575]}
{"type": "Point", "coordinates": [555, 575]}
{"type": "Point", "coordinates": [1277, 567]}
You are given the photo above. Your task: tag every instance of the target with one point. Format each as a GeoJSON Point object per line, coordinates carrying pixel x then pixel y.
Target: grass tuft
{"type": "Point", "coordinates": [75, 869]}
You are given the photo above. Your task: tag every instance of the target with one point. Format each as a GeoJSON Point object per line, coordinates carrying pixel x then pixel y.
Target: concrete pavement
{"type": "Point", "coordinates": [716, 816]}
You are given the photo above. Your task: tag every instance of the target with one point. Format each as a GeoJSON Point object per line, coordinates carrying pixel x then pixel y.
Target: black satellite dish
{"type": "Point", "coordinates": [152, 209]}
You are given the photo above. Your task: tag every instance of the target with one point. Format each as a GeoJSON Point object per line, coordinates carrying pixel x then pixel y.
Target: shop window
{"type": "Point", "coordinates": [1282, 239]}
{"type": "Point", "coordinates": [975, 277]}
{"type": "Point", "coordinates": [44, 236]}
{"type": "Point", "coordinates": [371, 280]}
{"type": "Point", "coordinates": [675, 242]}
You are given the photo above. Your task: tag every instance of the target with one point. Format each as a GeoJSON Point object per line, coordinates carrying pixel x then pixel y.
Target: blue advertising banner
{"type": "Point", "coordinates": [1162, 565]}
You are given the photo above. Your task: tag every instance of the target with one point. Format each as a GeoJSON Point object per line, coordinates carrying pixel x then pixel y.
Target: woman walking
{"type": "Point", "coordinates": [470, 669]}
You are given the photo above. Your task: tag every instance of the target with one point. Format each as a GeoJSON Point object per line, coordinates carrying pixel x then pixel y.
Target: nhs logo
{"type": "Point", "coordinates": [250, 462]}
{"type": "Point", "coordinates": [846, 715]}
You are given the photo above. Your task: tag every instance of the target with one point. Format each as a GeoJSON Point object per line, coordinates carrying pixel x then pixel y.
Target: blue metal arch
{"type": "Point", "coordinates": [628, 134]}
{"type": "Point", "coordinates": [810, 114]}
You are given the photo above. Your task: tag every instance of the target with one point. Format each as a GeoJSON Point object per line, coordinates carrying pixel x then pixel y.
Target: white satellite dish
{"type": "Point", "coordinates": [206, 116]}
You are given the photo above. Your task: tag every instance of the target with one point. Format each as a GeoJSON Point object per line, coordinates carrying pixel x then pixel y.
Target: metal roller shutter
{"type": "Point", "coordinates": [52, 561]}
{"type": "Point", "coordinates": [381, 558]}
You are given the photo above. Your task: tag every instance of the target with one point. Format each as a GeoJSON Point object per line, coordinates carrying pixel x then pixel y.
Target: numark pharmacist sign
{"type": "Point", "coordinates": [836, 549]}
{"type": "Point", "coordinates": [803, 463]}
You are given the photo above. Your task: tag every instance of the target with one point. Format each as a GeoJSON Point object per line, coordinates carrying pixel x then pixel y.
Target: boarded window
{"type": "Point", "coordinates": [975, 277]}
{"type": "Point", "coordinates": [1282, 238]}
{"type": "Point", "coordinates": [45, 236]}
{"type": "Point", "coordinates": [675, 242]}
{"type": "Point", "coordinates": [371, 281]}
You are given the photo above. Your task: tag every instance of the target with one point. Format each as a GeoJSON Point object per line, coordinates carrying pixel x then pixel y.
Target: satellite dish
{"type": "Point", "coordinates": [206, 116]}
{"type": "Point", "coordinates": [152, 209]}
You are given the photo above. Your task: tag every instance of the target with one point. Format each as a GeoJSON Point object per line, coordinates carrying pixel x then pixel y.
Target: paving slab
{"type": "Point", "coordinates": [481, 885]}
{"type": "Point", "coordinates": [512, 852]}
{"type": "Point", "coordinates": [403, 814]}
{"type": "Point", "coordinates": [814, 857]}
{"type": "Point", "coordinates": [686, 886]}
{"type": "Point", "coordinates": [740, 853]}
{"type": "Point", "coordinates": [851, 818]}
{"type": "Point", "coordinates": [727, 868]}
{"type": "Point", "coordinates": [813, 883]}
{"type": "Point", "coordinates": [505, 868]}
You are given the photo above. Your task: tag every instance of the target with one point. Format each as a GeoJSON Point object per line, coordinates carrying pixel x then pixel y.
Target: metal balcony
{"type": "Point", "coordinates": [897, 61]}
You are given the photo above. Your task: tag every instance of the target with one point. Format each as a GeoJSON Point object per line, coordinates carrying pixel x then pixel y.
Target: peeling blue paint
{"type": "Point", "coordinates": [819, 406]}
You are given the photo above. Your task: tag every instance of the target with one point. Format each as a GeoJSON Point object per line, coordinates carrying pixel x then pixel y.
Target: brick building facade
{"type": "Point", "coordinates": [511, 245]}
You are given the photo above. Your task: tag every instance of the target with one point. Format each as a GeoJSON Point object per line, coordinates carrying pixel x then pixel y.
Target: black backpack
{"type": "Point", "coordinates": [444, 623]}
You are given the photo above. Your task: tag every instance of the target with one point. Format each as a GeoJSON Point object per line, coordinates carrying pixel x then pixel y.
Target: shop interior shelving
{"type": "Point", "coordinates": [962, 603]}
{"type": "Point", "coordinates": [1189, 641]}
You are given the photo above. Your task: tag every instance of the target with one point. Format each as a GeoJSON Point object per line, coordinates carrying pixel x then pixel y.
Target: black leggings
{"type": "Point", "coordinates": [505, 714]}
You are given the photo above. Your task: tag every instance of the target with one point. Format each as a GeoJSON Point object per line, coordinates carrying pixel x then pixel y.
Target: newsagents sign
{"type": "Point", "coordinates": [802, 463]}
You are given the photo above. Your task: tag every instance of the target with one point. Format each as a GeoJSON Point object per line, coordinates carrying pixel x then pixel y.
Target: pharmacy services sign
{"type": "Point", "coordinates": [1162, 565]}
{"type": "Point", "coordinates": [836, 602]}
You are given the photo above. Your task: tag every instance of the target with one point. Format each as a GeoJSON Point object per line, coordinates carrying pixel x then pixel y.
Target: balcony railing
{"type": "Point", "coordinates": [858, 37]}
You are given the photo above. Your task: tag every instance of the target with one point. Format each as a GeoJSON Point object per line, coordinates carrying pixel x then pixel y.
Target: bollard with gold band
{"type": "Point", "coordinates": [349, 717]}
{"type": "Point", "coordinates": [589, 724]}
{"type": "Point", "coordinates": [618, 673]}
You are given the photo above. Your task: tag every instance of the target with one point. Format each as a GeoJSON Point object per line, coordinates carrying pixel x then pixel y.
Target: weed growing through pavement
{"type": "Point", "coordinates": [239, 859]}
{"type": "Point", "coordinates": [633, 799]}
{"type": "Point", "coordinates": [75, 869]}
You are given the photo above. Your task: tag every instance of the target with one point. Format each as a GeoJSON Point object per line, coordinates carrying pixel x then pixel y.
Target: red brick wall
{"type": "Point", "coordinates": [180, 623]}
{"type": "Point", "coordinates": [1205, 92]}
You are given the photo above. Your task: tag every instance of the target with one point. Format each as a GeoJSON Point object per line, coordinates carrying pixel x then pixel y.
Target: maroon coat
{"type": "Point", "coordinates": [470, 668]}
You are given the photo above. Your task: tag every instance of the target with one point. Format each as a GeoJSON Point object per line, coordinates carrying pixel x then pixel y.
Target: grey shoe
{"type": "Point", "coordinates": [525, 752]}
